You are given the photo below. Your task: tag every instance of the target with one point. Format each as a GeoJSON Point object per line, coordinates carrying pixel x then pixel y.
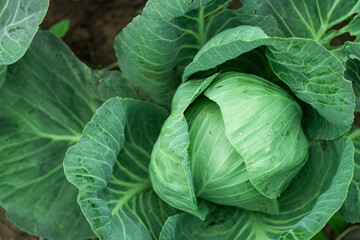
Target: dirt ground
{"type": "Point", "coordinates": [94, 25]}
{"type": "Point", "coordinates": [9, 231]}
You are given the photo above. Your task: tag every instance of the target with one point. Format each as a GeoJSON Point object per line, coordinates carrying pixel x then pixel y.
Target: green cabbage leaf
{"type": "Point", "coordinates": [19, 22]}
{"type": "Point", "coordinates": [45, 103]}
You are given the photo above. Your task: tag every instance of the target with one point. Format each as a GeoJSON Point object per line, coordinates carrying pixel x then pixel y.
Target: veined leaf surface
{"type": "Point", "coordinates": [315, 194]}
{"type": "Point", "coordinates": [261, 121]}
{"type": "Point", "coordinates": [19, 22]}
{"type": "Point", "coordinates": [313, 74]}
{"type": "Point", "coordinates": [109, 166]}
{"type": "Point", "coordinates": [314, 19]}
{"type": "Point", "coordinates": [47, 99]}
{"type": "Point", "coordinates": [169, 168]}
{"type": "Point", "coordinates": [155, 47]}
{"type": "Point", "coordinates": [351, 59]}
{"type": "Point", "coordinates": [351, 207]}
{"type": "Point", "coordinates": [350, 210]}
{"type": "Point", "coordinates": [218, 171]}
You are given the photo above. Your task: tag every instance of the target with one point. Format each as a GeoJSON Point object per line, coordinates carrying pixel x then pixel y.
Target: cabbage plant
{"type": "Point", "coordinates": [224, 122]}
{"type": "Point", "coordinates": [239, 151]}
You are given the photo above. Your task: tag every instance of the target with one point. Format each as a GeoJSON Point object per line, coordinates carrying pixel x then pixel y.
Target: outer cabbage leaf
{"type": "Point", "coordinates": [170, 161]}
{"type": "Point", "coordinates": [315, 78]}
{"type": "Point", "coordinates": [317, 127]}
{"type": "Point", "coordinates": [351, 59]}
{"type": "Point", "coordinates": [350, 210]}
{"type": "Point", "coordinates": [109, 167]}
{"type": "Point", "coordinates": [350, 55]}
{"type": "Point", "coordinates": [155, 47]}
{"type": "Point", "coordinates": [218, 50]}
{"type": "Point", "coordinates": [19, 22]}
{"type": "Point", "coordinates": [314, 19]}
{"type": "Point", "coordinates": [263, 131]}
{"type": "Point", "coordinates": [254, 62]}
{"type": "Point", "coordinates": [315, 194]}
{"type": "Point", "coordinates": [47, 99]}
{"type": "Point", "coordinates": [353, 73]}
{"type": "Point", "coordinates": [312, 73]}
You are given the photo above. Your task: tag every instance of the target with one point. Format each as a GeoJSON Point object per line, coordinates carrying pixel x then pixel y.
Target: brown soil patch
{"type": "Point", "coordinates": [94, 25]}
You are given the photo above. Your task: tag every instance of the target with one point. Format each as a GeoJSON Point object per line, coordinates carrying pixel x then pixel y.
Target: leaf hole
{"type": "Point", "coordinates": [323, 145]}
{"type": "Point", "coordinates": [341, 39]}
{"type": "Point", "coordinates": [235, 4]}
{"type": "Point", "coordinates": [342, 24]}
{"type": "Point", "coordinates": [357, 119]}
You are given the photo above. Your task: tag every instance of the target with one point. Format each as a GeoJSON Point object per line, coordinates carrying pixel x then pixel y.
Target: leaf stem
{"type": "Point", "coordinates": [59, 138]}
{"type": "Point", "coordinates": [111, 66]}
{"type": "Point", "coordinates": [201, 29]}
{"type": "Point", "coordinates": [354, 134]}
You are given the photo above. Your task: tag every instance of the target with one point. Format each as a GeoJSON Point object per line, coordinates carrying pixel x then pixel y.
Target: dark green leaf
{"type": "Point", "coordinates": [312, 73]}
{"type": "Point", "coordinates": [155, 47]}
{"type": "Point", "coordinates": [321, 21]}
{"type": "Point", "coordinates": [351, 207]}
{"type": "Point", "coordinates": [3, 69]}
{"type": "Point", "coordinates": [338, 224]}
{"type": "Point", "coordinates": [316, 127]}
{"type": "Point", "coordinates": [109, 165]}
{"type": "Point", "coordinates": [350, 55]}
{"type": "Point", "coordinates": [320, 236]}
{"type": "Point", "coordinates": [47, 99]}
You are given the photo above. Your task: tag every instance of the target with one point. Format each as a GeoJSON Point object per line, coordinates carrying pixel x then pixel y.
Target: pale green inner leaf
{"type": "Point", "coordinates": [218, 170]}
{"type": "Point", "coordinates": [170, 161]}
{"type": "Point", "coordinates": [263, 123]}
{"type": "Point", "coordinates": [315, 194]}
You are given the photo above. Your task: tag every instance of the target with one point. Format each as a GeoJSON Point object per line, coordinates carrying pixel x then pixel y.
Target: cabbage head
{"type": "Point", "coordinates": [234, 156]}
{"type": "Point", "coordinates": [245, 156]}
{"type": "Point", "coordinates": [246, 142]}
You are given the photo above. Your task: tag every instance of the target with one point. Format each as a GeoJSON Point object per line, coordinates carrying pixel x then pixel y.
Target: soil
{"type": "Point", "coordinates": [9, 231]}
{"type": "Point", "coordinates": [94, 25]}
